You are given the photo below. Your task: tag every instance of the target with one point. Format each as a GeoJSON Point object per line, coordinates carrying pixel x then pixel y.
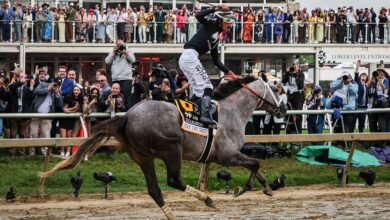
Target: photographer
{"type": "Point", "coordinates": [344, 98]}
{"type": "Point", "coordinates": [378, 98]}
{"type": "Point", "coordinates": [120, 60]}
{"type": "Point", "coordinates": [163, 92]}
{"type": "Point", "coordinates": [46, 98]}
{"type": "Point", "coordinates": [294, 78]}
{"type": "Point", "coordinates": [316, 101]}
{"type": "Point", "coordinates": [115, 100]}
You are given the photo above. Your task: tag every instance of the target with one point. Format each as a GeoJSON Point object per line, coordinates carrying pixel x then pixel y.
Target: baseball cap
{"type": "Point", "coordinates": [317, 88]}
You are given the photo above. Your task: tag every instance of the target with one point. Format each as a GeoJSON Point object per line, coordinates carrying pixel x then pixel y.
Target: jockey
{"type": "Point", "coordinates": [214, 22]}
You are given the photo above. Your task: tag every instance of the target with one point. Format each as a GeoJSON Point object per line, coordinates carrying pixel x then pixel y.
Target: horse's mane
{"type": "Point", "coordinates": [226, 89]}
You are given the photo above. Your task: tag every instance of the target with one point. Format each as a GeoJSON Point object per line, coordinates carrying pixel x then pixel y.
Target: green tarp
{"type": "Point", "coordinates": [325, 155]}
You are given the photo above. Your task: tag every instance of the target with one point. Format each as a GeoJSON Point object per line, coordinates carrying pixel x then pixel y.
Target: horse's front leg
{"type": "Point", "coordinates": [267, 190]}
{"type": "Point", "coordinates": [243, 160]}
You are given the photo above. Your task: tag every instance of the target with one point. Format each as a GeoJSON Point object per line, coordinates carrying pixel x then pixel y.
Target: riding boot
{"type": "Point", "coordinates": [205, 109]}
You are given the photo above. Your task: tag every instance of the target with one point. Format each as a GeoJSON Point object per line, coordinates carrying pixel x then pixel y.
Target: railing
{"type": "Point", "coordinates": [150, 32]}
{"type": "Point", "coordinates": [326, 112]}
{"type": "Point", "coordinates": [50, 142]}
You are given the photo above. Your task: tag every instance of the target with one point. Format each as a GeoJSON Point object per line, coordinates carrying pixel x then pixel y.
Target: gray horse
{"type": "Point", "coordinates": [152, 129]}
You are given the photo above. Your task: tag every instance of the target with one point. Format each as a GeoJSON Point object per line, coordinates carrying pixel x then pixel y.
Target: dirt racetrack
{"type": "Point", "coordinates": [313, 202]}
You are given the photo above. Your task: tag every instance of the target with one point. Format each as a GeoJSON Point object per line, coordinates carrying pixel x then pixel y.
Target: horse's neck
{"type": "Point", "coordinates": [237, 108]}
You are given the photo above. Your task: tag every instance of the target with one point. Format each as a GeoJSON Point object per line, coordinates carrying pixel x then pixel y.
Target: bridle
{"type": "Point", "coordinates": [262, 99]}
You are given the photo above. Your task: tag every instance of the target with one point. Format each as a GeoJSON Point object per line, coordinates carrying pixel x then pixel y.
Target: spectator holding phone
{"type": "Point", "coordinates": [362, 99]}
{"type": "Point", "coordinates": [46, 98]}
{"type": "Point", "coordinates": [378, 98]}
{"type": "Point", "coordinates": [316, 101]}
{"type": "Point", "coordinates": [114, 102]}
{"type": "Point", "coordinates": [72, 103]}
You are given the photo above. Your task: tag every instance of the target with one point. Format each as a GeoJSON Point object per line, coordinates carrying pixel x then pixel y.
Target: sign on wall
{"type": "Point", "coordinates": [351, 55]}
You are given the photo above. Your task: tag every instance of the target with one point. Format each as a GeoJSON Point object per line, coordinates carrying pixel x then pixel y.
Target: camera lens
{"type": "Point", "coordinates": [316, 92]}
{"type": "Point", "coordinates": [345, 77]}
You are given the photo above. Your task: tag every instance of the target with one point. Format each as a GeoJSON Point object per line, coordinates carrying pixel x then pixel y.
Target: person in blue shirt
{"type": "Point", "coordinates": [6, 14]}
{"type": "Point", "coordinates": [268, 19]}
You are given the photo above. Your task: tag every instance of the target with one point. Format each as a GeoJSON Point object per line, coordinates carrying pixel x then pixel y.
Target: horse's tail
{"type": "Point", "coordinates": [102, 131]}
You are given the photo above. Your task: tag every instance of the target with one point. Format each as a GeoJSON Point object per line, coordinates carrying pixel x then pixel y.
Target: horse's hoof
{"type": "Point", "coordinates": [238, 191]}
{"type": "Point", "coordinates": [268, 191]}
{"type": "Point", "coordinates": [209, 202]}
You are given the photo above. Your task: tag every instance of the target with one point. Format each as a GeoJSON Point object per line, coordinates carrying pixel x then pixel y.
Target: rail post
{"type": "Point", "coordinates": [347, 165]}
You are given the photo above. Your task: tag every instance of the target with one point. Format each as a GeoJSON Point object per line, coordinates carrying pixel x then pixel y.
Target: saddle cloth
{"type": "Point", "coordinates": [190, 114]}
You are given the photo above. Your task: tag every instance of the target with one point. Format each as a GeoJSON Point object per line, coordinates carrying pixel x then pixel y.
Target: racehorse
{"type": "Point", "coordinates": [152, 129]}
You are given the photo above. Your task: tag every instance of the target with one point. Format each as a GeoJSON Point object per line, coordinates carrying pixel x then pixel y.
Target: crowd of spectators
{"type": "Point", "coordinates": [346, 93]}
{"type": "Point", "coordinates": [155, 24]}
{"type": "Point", "coordinates": [44, 92]}
{"type": "Point", "coordinates": [60, 91]}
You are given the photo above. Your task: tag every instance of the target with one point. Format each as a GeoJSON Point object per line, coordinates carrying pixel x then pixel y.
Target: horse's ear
{"type": "Point", "coordinates": [272, 86]}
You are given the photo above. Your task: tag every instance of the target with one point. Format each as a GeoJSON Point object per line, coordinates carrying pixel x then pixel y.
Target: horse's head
{"type": "Point", "coordinates": [270, 100]}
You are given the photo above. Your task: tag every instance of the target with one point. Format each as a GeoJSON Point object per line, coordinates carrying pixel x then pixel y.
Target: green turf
{"type": "Point", "coordinates": [21, 172]}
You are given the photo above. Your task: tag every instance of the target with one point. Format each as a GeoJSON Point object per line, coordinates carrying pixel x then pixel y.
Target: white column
{"type": "Point", "coordinates": [104, 4]}
{"type": "Point", "coordinates": [371, 68]}
{"type": "Point", "coordinates": [81, 3]}
{"type": "Point", "coordinates": [32, 2]}
{"type": "Point", "coordinates": [317, 70]}
{"type": "Point", "coordinates": [127, 4]}
{"type": "Point", "coordinates": [222, 54]}
{"type": "Point", "coordinates": [173, 3]}
{"type": "Point", "coordinates": [151, 3]}
{"type": "Point", "coordinates": [22, 56]}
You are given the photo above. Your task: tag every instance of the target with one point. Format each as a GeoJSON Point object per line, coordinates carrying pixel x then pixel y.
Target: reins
{"type": "Point", "coordinates": [263, 100]}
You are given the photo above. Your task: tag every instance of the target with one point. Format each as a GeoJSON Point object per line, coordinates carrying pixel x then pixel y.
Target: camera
{"type": "Point", "coordinates": [120, 49]}
{"type": "Point", "coordinates": [292, 69]}
{"type": "Point", "coordinates": [29, 77]}
{"type": "Point", "coordinates": [316, 92]}
{"type": "Point", "coordinates": [345, 78]}
{"type": "Point", "coordinates": [114, 96]}
{"type": "Point", "coordinates": [375, 74]}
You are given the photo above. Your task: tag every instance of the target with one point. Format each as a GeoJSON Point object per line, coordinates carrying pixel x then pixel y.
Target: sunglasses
{"type": "Point", "coordinates": [101, 81]}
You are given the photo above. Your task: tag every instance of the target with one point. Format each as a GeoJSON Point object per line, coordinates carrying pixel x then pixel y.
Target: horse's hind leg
{"type": "Point", "coordinates": [173, 164]}
{"type": "Point", "coordinates": [147, 167]}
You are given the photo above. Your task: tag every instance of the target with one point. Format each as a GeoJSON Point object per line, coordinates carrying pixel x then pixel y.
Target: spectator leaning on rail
{"type": "Point", "coordinates": [120, 60]}
{"type": "Point", "coordinates": [294, 79]}
{"type": "Point", "coordinates": [344, 98]}
{"type": "Point", "coordinates": [46, 98]}
{"type": "Point", "coordinates": [115, 100]}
